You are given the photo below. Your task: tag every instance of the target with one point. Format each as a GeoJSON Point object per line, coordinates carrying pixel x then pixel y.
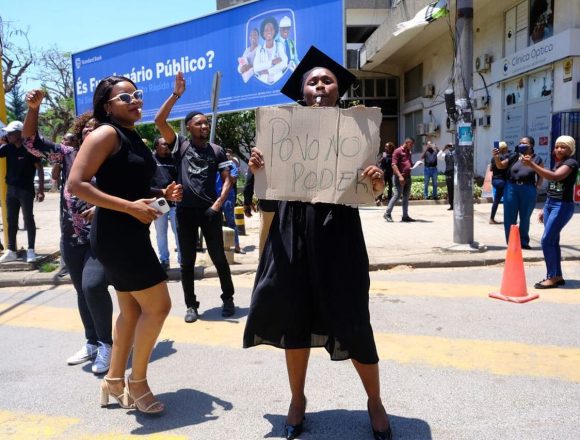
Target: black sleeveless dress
{"type": "Point", "coordinates": [312, 284]}
{"type": "Point", "coordinates": [121, 242]}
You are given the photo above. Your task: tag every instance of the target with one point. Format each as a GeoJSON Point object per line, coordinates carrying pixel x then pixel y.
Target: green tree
{"type": "Point", "coordinates": [16, 107]}
{"type": "Point", "coordinates": [150, 132]}
{"type": "Point", "coordinates": [16, 54]}
{"type": "Point", "coordinates": [55, 76]}
{"type": "Point", "coordinates": [237, 131]}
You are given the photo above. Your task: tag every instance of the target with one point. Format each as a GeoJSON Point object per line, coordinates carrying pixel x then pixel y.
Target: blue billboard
{"type": "Point", "coordinates": [255, 46]}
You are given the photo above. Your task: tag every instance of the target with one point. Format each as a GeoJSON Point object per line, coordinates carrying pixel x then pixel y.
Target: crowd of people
{"type": "Point", "coordinates": [306, 294]}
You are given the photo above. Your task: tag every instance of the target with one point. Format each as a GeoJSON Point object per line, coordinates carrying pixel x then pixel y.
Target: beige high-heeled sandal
{"type": "Point", "coordinates": [123, 399]}
{"type": "Point", "coordinates": [144, 409]}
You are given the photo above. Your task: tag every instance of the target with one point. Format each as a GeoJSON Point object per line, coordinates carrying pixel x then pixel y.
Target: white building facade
{"type": "Point", "coordinates": [526, 78]}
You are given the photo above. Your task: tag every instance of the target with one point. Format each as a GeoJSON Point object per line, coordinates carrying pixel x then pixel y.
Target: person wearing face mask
{"type": "Point", "coordinates": [521, 188]}
{"type": "Point", "coordinates": [115, 154]}
{"type": "Point", "coordinates": [86, 272]}
{"type": "Point", "coordinates": [306, 294]}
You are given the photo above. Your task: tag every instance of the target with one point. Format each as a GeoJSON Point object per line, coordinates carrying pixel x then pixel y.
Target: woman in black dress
{"type": "Point", "coordinates": [123, 166]}
{"type": "Point", "coordinates": [307, 293]}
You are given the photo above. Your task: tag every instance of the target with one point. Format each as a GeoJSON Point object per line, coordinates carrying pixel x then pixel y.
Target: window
{"type": "Point", "coordinates": [375, 92]}
{"type": "Point", "coordinates": [414, 83]}
{"type": "Point", "coordinates": [411, 122]}
{"type": "Point", "coordinates": [527, 23]}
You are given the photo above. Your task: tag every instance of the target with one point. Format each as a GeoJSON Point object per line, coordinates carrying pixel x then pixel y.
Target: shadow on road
{"type": "Point", "coordinates": [26, 300]}
{"type": "Point", "coordinates": [215, 314]}
{"type": "Point", "coordinates": [186, 407]}
{"type": "Point", "coordinates": [348, 425]}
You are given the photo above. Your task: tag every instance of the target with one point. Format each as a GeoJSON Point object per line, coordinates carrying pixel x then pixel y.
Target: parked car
{"type": "Point", "coordinates": [47, 179]}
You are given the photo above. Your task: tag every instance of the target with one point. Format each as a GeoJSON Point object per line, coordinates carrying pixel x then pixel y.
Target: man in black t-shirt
{"type": "Point", "coordinates": [165, 173]}
{"type": "Point", "coordinates": [197, 163]}
{"type": "Point", "coordinates": [20, 170]}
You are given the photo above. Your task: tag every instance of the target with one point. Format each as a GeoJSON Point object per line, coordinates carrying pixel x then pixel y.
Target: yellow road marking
{"type": "Point", "coordinates": [495, 357]}
{"type": "Point", "coordinates": [25, 426]}
{"type": "Point", "coordinates": [16, 426]}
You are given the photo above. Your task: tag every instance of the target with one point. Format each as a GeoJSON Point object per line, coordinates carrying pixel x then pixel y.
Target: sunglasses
{"type": "Point", "coordinates": [128, 97]}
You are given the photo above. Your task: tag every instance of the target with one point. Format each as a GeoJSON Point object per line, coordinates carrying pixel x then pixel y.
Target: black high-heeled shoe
{"type": "Point", "coordinates": [380, 435]}
{"type": "Point", "coordinates": [293, 431]}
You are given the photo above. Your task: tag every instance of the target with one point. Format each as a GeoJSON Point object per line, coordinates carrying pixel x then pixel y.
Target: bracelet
{"type": "Point", "coordinates": [176, 95]}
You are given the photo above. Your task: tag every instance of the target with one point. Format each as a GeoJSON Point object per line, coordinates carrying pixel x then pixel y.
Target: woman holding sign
{"type": "Point", "coordinates": [559, 206]}
{"type": "Point", "coordinates": [306, 293]}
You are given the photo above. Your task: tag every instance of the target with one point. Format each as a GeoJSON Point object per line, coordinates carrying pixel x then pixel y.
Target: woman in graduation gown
{"type": "Point", "coordinates": [312, 284]}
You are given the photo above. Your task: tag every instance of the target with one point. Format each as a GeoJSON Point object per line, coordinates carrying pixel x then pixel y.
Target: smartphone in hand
{"type": "Point", "coordinates": [160, 205]}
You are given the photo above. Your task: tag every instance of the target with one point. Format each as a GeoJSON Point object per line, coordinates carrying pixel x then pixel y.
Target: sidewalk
{"type": "Point", "coordinates": [424, 243]}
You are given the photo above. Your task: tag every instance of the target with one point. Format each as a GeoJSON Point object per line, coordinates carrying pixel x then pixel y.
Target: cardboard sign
{"type": "Point", "coordinates": [317, 154]}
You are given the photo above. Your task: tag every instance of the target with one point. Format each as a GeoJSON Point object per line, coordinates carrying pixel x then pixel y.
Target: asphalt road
{"type": "Point", "coordinates": [454, 365]}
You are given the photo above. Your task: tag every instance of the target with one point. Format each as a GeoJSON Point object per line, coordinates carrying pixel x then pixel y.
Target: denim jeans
{"type": "Point", "coordinates": [17, 198]}
{"type": "Point", "coordinates": [556, 215]}
{"type": "Point", "coordinates": [499, 185]}
{"type": "Point", "coordinates": [161, 234]}
{"type": "Point", "coordinates": [430, 173]}
{"type": "Point", "coordinates": [518, 200]}
{"type": "Point", "coordinates": [405, 191]}
{"type": "Point", "coordinates": [210, 222]}
{"type": "Point", "coordinates": [228, 208]}
{"type": "Point", "coordinates": [93, 298]}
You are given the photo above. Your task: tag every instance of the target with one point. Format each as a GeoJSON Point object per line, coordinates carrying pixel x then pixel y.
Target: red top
{"type": "Point", "coordinates": [402, 158]}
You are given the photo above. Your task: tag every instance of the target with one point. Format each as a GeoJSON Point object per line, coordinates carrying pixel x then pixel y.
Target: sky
{"type": "Point", "coordinates": [75, 25]}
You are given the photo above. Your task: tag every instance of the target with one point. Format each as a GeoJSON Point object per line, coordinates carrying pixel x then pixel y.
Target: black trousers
{"type": "Point", "coordinates": [17, 198]}
{"type": "Point", "coordinates": [450, 188]}
{"type": "Point", "coordinates": [389, 183]}
{"type": "Point", "coordinates": [210, 222]}
{"type": "Point", "coordinates": [93, 298]}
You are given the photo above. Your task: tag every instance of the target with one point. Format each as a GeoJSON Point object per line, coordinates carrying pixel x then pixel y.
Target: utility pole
{"type": "Point", "coordinates": [463, 84]}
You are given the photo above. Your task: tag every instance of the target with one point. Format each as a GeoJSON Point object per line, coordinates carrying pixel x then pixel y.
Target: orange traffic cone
{"type": "Point", "coordinates": [513, 284]}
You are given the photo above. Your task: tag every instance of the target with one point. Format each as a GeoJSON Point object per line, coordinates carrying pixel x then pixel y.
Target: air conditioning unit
{"type": "Point", "coordinates": [483, 63]}
{"type": "Point", "coordinates": [428, 91]}
{"type": "Point", "coordinates": [431, 128]}
{"type": "Point", "coordinates": [484, 121]}
{"type": "Point", "coordinates": [450, 126]}
{"type": "Point", "coordinates": [420, 129]}
{"type": "Point", "coordinates": [481, 102]}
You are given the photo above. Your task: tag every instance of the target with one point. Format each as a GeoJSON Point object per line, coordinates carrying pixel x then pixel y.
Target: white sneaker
{"type": "Point", "coordinates": [30, 256]}
{"type": "Point", "coordinates": [103, 359]}
{"type": "Point", "coordinates": [88, 352]}
{"type": "Point", "coordinates": [8, 255]}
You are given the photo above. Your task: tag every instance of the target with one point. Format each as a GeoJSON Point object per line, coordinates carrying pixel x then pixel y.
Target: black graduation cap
{"type": "Point", "coordinates": [316, 58]}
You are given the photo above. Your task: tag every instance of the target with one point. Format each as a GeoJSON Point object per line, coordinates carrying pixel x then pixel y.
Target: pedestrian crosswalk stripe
{"type": "Point", "coordinates": [494, 357]}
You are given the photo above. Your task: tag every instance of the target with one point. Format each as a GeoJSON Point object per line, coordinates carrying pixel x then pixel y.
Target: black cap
{"type": "Point", "coordinates": [316, 58]}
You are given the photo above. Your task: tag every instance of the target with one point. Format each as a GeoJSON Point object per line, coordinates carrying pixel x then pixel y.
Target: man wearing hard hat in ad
{"type": "Point", "coordinates": [289, 44]}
